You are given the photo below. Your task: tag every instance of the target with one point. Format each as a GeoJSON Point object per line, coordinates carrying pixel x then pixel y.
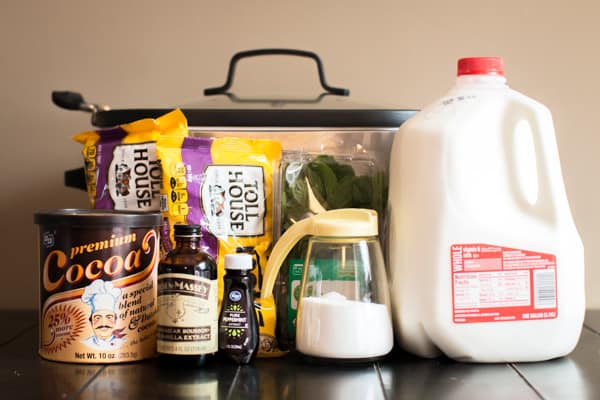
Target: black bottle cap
{"type": "Point", "coordinates": [188, 230]}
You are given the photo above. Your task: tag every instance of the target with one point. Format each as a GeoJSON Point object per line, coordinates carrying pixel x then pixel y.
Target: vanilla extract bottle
{"type": "Point", "coordinates": [187, 332]}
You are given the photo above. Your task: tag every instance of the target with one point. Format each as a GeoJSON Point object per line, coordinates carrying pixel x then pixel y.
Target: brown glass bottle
{"type": "Point", "coordinates": [187, 332]}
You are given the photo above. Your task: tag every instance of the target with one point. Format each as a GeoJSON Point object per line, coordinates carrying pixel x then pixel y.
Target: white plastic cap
{"type": "Point", "coordinates": [239, 261]}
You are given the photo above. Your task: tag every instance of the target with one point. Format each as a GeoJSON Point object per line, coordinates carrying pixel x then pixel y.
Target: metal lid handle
{"type": "Point", "coordinates": [264, 52]}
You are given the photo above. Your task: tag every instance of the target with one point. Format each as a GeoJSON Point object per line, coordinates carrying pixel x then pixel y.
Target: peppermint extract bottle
{"type": "Point", "coordinates": [238, 325]}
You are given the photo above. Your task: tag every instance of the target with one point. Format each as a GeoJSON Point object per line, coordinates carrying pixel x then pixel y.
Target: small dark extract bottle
{"type": "Point", "coordinates": [187, 332]}
{"type": "Point", "coordinates": [238, 325]}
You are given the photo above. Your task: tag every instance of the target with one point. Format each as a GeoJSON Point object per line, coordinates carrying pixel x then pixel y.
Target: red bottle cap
{"type": "Point", "coordinates": [481, 66]}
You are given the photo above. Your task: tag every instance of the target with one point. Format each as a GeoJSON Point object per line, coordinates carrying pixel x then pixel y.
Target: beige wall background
{"type": "Point", "coordinates": [158, 53]}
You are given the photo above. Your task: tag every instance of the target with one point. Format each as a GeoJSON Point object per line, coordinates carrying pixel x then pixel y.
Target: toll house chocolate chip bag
{"type": "Point", "coordinates": [121, 167]}
{"type": "Point", "coordinates": [226, 186]}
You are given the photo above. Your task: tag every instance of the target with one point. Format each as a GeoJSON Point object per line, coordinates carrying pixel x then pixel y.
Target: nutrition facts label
{"type": "Point", "coordinates": [495, 284]}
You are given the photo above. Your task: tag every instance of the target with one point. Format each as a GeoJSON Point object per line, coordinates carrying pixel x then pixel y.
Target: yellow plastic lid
{"type": "Point", "coordinates": [346, 222]}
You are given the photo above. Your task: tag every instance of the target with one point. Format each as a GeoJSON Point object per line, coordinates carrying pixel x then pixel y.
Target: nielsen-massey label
{"type": "Point", "coordinates": [135, 177]}
{"type": "Point", "coordinates": [188, 314]}
{"type": "Point", "coordinates": [98, 294]}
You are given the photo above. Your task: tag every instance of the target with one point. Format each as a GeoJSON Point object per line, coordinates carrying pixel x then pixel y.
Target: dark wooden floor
{"type": "Point", "coordinates": [23, 375]}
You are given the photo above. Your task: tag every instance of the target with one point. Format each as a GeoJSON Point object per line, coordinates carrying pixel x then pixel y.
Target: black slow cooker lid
{"type": "Point", "coordinates": [222, 108]}
{"type": "Point", "coordinates": [376, 118]}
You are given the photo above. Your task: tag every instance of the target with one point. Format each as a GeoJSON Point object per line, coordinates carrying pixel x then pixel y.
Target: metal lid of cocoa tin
{"type": "Point", "coordinates": [78, 217]}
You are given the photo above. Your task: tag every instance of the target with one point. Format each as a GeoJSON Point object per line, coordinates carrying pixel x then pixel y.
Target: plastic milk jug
{"type": "Point", "coordinates": [485, 261]}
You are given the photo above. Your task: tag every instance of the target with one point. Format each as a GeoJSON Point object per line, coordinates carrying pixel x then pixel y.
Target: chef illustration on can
{"type": "Point", "coordinates": [102, 297]}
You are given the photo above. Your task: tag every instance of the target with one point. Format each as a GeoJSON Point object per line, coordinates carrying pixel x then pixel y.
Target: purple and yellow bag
{"type": "Point", "coordinates": [226, 186]}
{"type": "Point", "coordinates": [122, 170]}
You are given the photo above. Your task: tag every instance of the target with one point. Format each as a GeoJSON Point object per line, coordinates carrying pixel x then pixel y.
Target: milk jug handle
{"type": "Point", "coordinates": [550, 188]}
{"type": "Point", "coordinates": [284, 245]}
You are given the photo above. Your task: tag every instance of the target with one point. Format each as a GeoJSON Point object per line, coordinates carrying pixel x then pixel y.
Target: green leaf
{"type": "Point", "coordinates": [299, 191]}
{"type": "Point", "coordinates": [362, 192]}
{"type": "Point", "coordinates": [325, 159]}
{"type": "Point", "coordinates": [322, 181]}
{"type": "Point", "coordinates": [341, 195]}
{"type": "Point", "coordinates": [342, 170]}
{"type": "Point", "coordinates": [294, 211]}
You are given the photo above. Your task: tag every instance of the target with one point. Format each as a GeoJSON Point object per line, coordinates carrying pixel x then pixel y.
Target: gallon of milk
{"type": "Point", "coordinates": [485, 261]}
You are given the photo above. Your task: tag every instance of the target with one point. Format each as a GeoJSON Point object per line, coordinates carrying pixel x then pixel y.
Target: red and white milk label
{"type": "Point", "coordinates": [495, 284]}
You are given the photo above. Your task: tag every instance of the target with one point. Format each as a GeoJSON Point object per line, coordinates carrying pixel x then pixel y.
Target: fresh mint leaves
{"type": "Point", "coordinates": [333, 185]}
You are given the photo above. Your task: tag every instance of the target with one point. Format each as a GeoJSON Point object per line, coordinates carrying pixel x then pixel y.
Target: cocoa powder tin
{"type": "Point", "coordinates": [98, 272]}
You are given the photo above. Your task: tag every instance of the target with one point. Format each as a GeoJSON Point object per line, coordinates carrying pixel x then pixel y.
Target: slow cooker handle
{"type": "Point", "coordinates": [264, 52]}
{"type": "Point", "coordinates": [75, 178]}
{"type": "Point", "coordinates": [74, 101]}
